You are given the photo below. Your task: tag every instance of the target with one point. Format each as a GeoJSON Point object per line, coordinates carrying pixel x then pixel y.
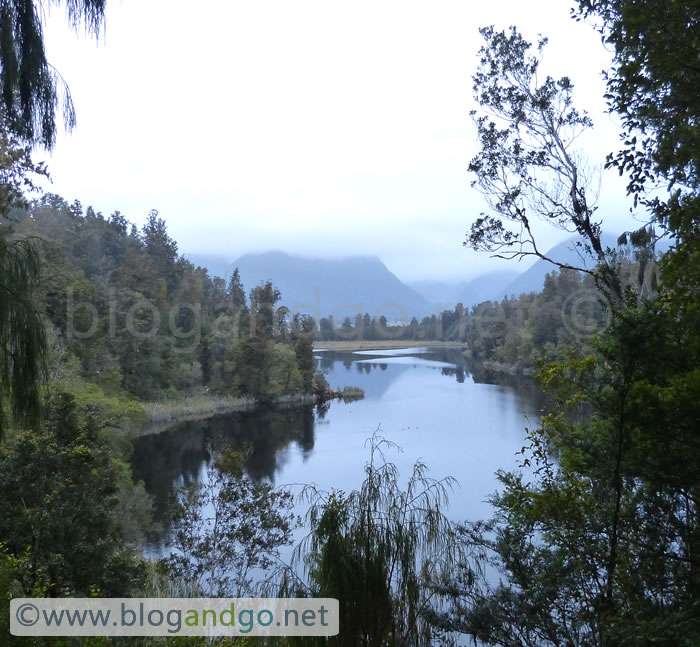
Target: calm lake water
{"type": "Point", "coordinates": [425, 400]}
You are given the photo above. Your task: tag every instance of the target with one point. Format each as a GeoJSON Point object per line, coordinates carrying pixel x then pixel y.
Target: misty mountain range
{"type": "Point", "coordinates": [362, 284]}
{"type": "Point", "coordinates": [320, 287]}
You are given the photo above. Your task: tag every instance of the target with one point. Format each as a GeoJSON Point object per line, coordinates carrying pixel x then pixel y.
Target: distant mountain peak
{"type": "Point", "coordinates": [322, 286]}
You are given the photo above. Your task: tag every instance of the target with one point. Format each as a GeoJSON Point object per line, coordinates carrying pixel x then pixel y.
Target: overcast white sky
{"type": "Point", "coordinates": [316, 127]}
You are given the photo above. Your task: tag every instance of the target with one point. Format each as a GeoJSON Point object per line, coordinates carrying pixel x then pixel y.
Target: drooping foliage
{"type": "Point", "coordinates": [376, 550]}
{"type": "Point", "coordinates": [32, 89]}
{"type": "Point", "coordinates": [18, 172]}
{"type": "Point", "coordinates": [22, 337]}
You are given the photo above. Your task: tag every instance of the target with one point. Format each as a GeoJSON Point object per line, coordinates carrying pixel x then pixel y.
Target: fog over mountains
{"type": "Point", "coordinates": [344, 287]}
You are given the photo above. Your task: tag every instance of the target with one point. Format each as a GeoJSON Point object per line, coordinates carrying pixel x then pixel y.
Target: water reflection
{"type": "Point", "coordinates": [464, 424]}
{"type": "Point", "coordinates": [176, 457]}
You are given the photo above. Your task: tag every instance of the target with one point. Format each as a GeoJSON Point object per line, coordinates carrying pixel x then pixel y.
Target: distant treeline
{"type": "Point", "coordinates": [517, 331]}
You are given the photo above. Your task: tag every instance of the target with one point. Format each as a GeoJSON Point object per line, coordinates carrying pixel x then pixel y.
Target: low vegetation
{"type": "Point", "coordinates": [193, 408]}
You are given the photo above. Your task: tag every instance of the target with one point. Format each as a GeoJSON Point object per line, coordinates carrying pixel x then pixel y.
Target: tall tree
{"type": "Point", "coordinates": [236, 292]}
{"type": "Point", "coordinates": [600, 545]}
{"type": "Point", "coordinates": [652, 87]}
{"type": "Point", "coordinates": [160, 246]}
{"type": "Point", "coordinates": [528, 166]}
{"type": "Point", "coordinates": [263, 298]}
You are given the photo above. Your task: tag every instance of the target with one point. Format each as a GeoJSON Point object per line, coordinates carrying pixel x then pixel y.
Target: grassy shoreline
{"type": "Point", "coordinates": [165, 414]}
{"type": "Point", "coordinates": [384, 344]}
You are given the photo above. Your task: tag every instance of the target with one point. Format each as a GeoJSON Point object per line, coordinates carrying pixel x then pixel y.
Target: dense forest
{"type": "Point", "coordinates": [594, 540]}
{"type": "Point", "coordinates": [143, 322]}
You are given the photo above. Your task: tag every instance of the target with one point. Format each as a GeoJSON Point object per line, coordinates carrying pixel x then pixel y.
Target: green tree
{"type": "Point", "coordinates": [597, 536]}
{"type": "Point", "coordinates": [161, 248]}
{"type": "Point", "coordinates": [326, 329]}
{"type": "Point", "coordinates": [347, 330]}
{"type": "Point", "coordinates": [306, 362]}
{"type": "Point", "coordinates": [262, 306]}
{"type": "Point", "coordinates": [303, 329]}
{"type": "Point", "coordinates": [58, 496]}
{"type": "Point", "coordinates": [228, 526]}
{"type": "Point", "coordinates": [652, 88]}
{"type": "Point", "coordinates": [235, 292]}
{"type": "Point", "coordinates": [284, 376]}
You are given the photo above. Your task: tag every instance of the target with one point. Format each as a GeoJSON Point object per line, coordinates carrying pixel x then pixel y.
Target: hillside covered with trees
{"type": "Point", "coordinates": [143, 321]}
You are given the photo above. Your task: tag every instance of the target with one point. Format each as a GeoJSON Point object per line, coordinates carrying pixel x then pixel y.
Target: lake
{"type": "Point", "coordinates": [460, 423]}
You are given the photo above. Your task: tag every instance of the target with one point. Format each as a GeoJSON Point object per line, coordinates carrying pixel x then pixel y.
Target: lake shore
{"type": "Point", "coordinates": [164, 414]}
{"type": "Point", "coordinates": [384, 344]}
